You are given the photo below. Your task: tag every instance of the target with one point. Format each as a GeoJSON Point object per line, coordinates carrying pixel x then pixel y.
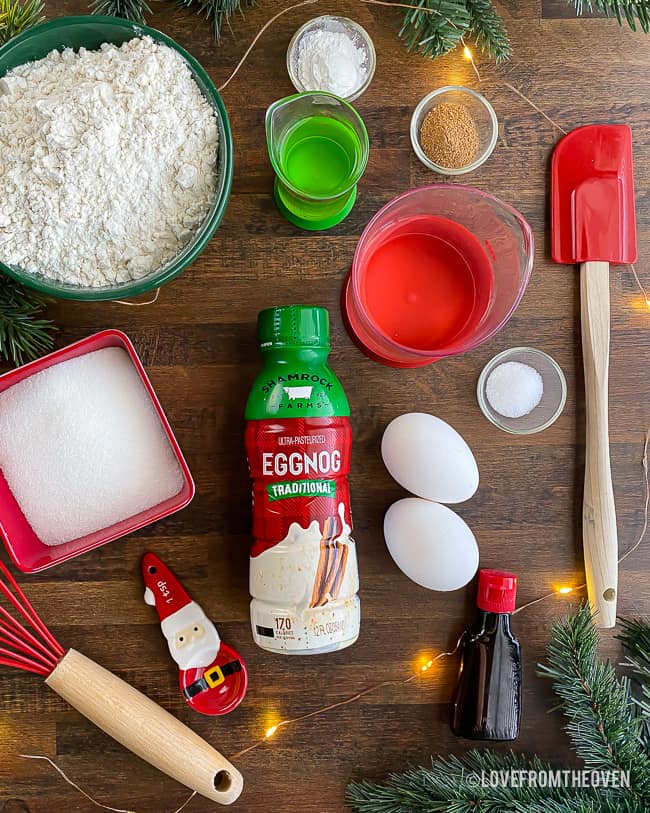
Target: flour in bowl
{"type": "Point", "coordinates": [108, 162]}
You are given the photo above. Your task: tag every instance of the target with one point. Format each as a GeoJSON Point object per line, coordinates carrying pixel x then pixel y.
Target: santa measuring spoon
{"type": "Point", "coordinates": [212, 676]}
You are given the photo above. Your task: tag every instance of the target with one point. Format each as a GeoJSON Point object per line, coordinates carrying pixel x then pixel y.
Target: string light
{"type": "Point", "coordinates": [644, 293]}
{"type": "Point", "coordinates": [563, 590]}
{"type": "Point", "coordinates": [427, 665]}
{"type": "Point", "coordinates": [424, 662]}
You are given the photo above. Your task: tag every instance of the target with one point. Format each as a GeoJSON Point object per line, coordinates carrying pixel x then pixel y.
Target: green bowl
{"type": "Point", "coordinates": [90, 32]}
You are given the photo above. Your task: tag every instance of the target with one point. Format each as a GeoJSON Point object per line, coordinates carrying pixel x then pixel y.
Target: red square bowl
{"type": "Point", "coordinates": [27, 551]}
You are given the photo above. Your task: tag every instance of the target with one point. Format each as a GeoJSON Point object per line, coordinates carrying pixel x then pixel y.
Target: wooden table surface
{"type": "Point", "coordinates": [199, 346]}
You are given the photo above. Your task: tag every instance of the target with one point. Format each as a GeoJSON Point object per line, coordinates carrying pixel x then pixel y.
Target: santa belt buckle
{"type": "Point", "coordinates": [214, 677]}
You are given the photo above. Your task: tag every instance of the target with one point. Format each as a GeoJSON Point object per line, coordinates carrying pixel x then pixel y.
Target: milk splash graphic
{"type": "Point", "coordinates": [291, 573]}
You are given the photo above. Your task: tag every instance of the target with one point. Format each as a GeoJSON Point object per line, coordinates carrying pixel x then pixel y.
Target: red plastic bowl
{"type": "Point", "coordinates": [26, 550]}
{"type": "Point", "coordinates": [496, 233]}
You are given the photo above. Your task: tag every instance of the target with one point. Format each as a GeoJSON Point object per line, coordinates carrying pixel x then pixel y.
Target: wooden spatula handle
{"type": "Point", "coordinates": [599, 534]}
{"type": "Point", "coordinates": [144, 727]}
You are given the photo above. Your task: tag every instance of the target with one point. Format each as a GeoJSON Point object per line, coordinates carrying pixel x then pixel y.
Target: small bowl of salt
{"type": "Point", "coordinates": [332, 54]}
{"type": "Point", "coordinates": [522, 391]}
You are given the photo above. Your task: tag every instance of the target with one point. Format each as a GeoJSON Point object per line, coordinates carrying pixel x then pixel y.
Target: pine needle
{"type": "Point", "coordinates": [16, 17]}
{"type": "Point", "coordinates": [24, 335]}
{"type": "Point", "coordinates": [438, 26]}
{"type": "Point", "coordinates": [636, 640]}
{"type": "Point", "coordinates": [219, 11]}
{"type": "Point", "coordinates": [629, 11]}
{"type": "Point", "coordinates": [133, 10]}
{"type": "Point", "coordinates": [488, 30]}
{"type": "Point", "coordinates": [602, 718]}
{"type": "Point", "coordinates": [456, 784]}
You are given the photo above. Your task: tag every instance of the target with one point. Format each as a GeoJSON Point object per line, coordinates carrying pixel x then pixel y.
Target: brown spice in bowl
{"type": "Point", "coordinates": [449, 137]}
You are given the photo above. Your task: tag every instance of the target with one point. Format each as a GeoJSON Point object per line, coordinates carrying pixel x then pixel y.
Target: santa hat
{"type": "Point", "coordinates": [175, 608]}
{"type": "Point", "coordinates": [188, 615]}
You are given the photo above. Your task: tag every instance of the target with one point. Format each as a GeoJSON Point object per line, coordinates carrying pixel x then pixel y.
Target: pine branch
{"type": "Point", "coordinates": [133, 10]}
{"type": "Point", "coordinates": [602, 721]}
{"type": "Point", "coordinates": [23, 336]}
{"type": "Point", "coordinates": [636, 640]}
{"type": "Point", "coordinates": [450, 785]}
{"type": "Point", "coordinates": [437, 31]}
{"type": "Point", "coordinates": [488, 30]}
{"type": "Point", "coordinates": [581, 805]}
{"type": "Point", "coordinates": [16, 17]}
{"type": "Point", "coordinates": [628, 10]}
{"type": "Point", "coordinates": [219, 11]}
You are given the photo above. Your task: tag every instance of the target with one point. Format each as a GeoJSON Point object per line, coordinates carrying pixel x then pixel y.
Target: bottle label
{"type": "Point", "coordinates": [303, 575]}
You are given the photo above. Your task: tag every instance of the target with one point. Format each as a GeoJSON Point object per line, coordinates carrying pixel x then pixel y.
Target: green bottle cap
{"type": "Point", "coordinates": [294, 326]}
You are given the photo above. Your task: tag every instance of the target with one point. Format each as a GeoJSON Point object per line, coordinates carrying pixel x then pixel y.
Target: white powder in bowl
{"type": "Point", "coordinates": [82, 446]}
{"type": "Point", "coordinates": [331, 61]}
{"type": "Point", "coordinates": [108, 162]}
{"type": "Point", "coordinates": [514, 389]}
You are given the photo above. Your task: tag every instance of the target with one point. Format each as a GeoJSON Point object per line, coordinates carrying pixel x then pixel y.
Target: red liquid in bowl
{"type": "Point", "coordinates": [426, 283]}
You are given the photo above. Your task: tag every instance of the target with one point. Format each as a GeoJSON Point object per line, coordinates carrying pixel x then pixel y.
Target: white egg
{"type": "Point", "coordinates": [429, 458]}
{"type": "Point", "coordinates": [431, 544]}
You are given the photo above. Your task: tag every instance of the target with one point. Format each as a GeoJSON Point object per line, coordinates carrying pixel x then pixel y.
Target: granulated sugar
{"type": "Point", "coordinates": [108, 162]}
{"type": "Point", "coordinates": [82, 446]}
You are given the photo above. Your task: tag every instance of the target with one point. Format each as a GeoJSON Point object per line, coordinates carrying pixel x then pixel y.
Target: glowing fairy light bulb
{"type": "Point", "coordinates": [564, 591]}
{"type": "Point", "coordinates": [467, 53]}
{"type": "Point", "coordinates": [424, 663]}
{"type": "Point", "coordinates": [270, 731]}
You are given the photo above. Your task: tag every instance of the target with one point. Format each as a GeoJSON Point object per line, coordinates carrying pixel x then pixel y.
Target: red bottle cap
{"type": "Point", "coordinates": [497, 591]}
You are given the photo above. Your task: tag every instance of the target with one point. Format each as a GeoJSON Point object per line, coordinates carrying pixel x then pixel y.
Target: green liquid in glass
{"type": "Point", "coordinates": [319, 155]}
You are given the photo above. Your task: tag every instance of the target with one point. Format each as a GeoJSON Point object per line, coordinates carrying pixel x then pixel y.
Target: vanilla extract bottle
{"type": "Point", "coordinates": [487, 703]}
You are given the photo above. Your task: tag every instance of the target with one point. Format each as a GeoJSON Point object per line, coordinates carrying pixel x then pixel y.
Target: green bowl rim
{"type": "Point", "coordinates": [137, 287]}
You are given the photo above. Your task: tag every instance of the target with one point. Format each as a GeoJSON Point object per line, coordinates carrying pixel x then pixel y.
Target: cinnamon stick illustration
{"type": "Point", "coordinates": [328, 583]}
{"type": "Point", "coordinates": [340, 574]}
{"type": "Point", "coordinates": [324, 563]}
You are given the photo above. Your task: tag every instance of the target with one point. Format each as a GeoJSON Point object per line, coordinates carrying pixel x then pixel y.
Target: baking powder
{"type": "Point", "coordinates": [331, 61]}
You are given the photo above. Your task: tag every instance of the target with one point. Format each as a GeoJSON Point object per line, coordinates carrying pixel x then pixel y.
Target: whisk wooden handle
{"type": "Point", "coordinates": [145, 728]}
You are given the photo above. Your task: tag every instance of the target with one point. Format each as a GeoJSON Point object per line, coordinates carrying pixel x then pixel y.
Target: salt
{"type": "Point", "coordinates": [82, 446]}
{"type": "Point", "coordinates": [514, 389]}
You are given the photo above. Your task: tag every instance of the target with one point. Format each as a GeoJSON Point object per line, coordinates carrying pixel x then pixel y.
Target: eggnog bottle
{"type": "Point", "coordinates": [303, 567]}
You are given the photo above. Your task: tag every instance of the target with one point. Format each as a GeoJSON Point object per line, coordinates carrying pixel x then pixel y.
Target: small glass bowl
{"type": "Point", "coordinates": [553, 397]}
{"type": "Point", "coordinates": [482, 112]}
{"type": "Point", "coordinates": [343, 25]}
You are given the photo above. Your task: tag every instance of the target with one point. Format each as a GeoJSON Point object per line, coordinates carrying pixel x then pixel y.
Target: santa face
{"type": "Point", "coordinates": [194, 642]}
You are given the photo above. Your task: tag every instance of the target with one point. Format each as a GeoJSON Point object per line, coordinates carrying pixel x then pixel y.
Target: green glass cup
{"type": "Point", "coordinates": [318, 146]}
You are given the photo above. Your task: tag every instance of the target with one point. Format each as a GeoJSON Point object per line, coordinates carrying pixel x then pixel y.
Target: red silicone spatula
{"type": "Point", "coordinates": [593, 223]}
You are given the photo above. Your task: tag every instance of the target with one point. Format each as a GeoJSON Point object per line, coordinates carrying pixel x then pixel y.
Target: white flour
{"type": "Point", "coordinates": [331, 61]}
{"type": "Point", "coordinates": [108, 162]}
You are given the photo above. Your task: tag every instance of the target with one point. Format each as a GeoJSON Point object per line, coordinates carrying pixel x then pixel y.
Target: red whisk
{"type": "Point", "coordinates": [30, 650]}
{"type": "Point", "coordinates": [117, 708]}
